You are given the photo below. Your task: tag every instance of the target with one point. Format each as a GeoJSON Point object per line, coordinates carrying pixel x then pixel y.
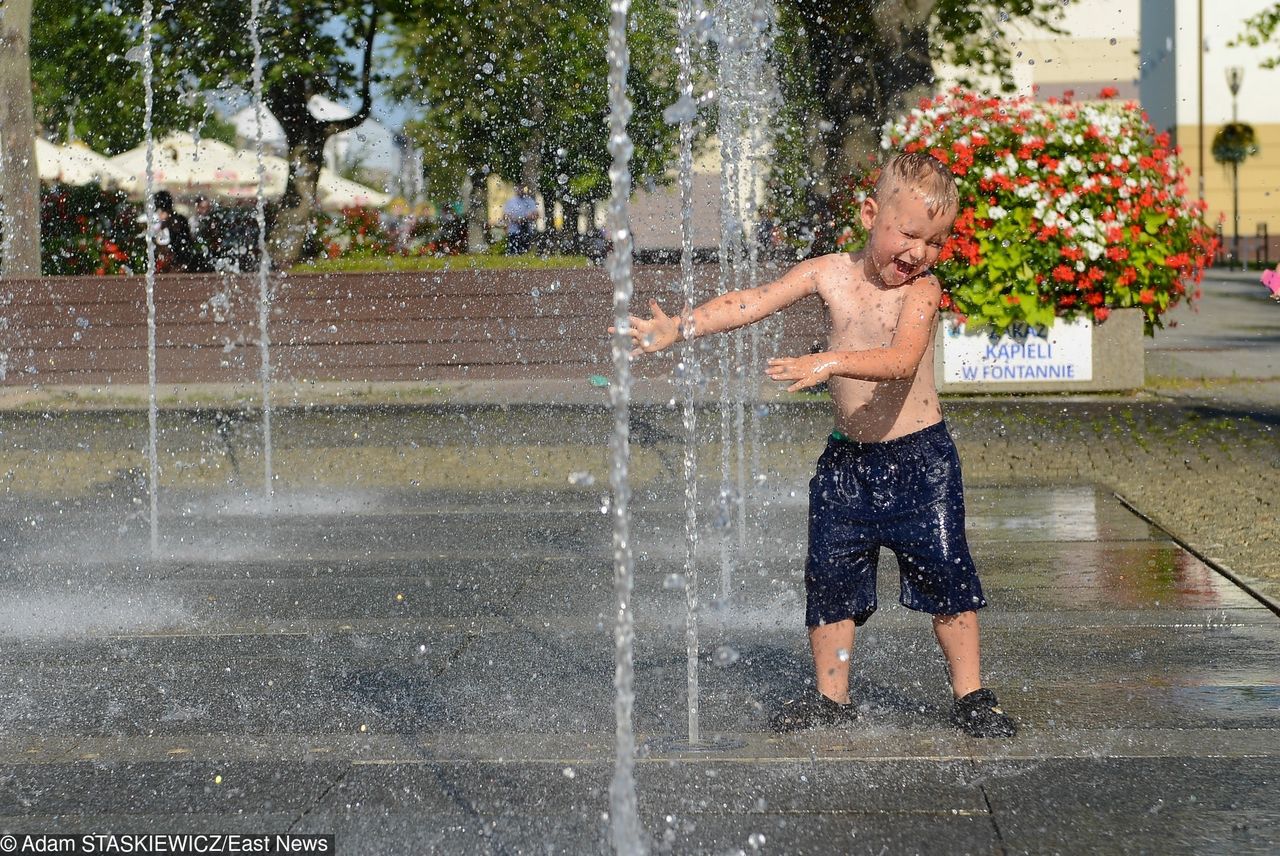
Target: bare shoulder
{"type": "Point", "coordinates": [835, 274]}
{"type": "Point", "coordinates": [922, 298]}
{"type": "Point", "coordinates": [926, 286]}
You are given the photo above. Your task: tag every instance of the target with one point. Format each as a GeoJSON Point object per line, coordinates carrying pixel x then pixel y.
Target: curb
{"type": "Point", "coordinates": [1270, 603]}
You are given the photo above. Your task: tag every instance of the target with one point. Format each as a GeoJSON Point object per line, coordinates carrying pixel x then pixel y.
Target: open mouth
{"type": "Point", "coordinates": [904, 268]}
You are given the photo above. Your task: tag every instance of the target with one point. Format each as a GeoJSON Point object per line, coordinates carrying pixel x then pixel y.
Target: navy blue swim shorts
{"type": "Point", "coordinates": [904, 494]}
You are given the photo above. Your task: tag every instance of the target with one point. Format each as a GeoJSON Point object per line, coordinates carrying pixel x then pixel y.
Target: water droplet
{"type": "Point", "coordinates": [726, 655]}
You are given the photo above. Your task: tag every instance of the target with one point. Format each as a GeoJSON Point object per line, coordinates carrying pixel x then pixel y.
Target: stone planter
{"type": "Point", "coordinates": [1079, 357]}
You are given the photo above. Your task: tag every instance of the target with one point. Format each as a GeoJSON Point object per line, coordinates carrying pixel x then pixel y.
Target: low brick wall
{"type": "Point", "coordinates": [447, 325]}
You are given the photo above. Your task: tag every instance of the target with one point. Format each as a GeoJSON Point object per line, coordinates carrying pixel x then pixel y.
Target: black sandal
{"type": "Point", "coordinates": [812, 710]}
{"type": "Point", "coordinates": [978, 714]}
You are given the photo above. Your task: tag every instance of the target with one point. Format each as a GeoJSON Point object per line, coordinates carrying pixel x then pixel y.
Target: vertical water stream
{"type": "Point", "coordinates": [622, 791]}
{"type": "Point", "coordinates": [690, 364]}
{"type": "Point", "coordinates": [264, 256]}
{"type": "Point", "coordinates": [153, 459]}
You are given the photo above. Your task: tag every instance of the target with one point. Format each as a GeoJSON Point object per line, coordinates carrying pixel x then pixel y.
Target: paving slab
{"type": "Point", "coordinates": [431, 669]}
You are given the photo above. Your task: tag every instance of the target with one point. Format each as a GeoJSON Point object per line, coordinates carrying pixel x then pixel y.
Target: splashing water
{"type": "Point", "coordinates": [622, 791]}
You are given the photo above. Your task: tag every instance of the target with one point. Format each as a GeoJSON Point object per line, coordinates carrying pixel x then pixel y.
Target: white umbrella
{"type": "Point", "coordinates": [182, 164]}
{"type": "Point", "coordinates": [75, 164]}
{"type": "Point", "coordinates": [333, 193]}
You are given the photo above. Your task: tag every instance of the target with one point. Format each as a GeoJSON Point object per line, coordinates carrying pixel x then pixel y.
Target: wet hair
{"type": "Point", "coordinates": [163, 201]}
{"type": "Point", "coordinates": [923, 172]}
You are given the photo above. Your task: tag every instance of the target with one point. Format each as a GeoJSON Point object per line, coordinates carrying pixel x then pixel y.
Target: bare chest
{"type": "Point", "coordinates": [863, 318]}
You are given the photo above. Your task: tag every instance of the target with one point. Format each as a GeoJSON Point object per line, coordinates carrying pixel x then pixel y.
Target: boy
{"type": "Point", "coordinates": [890, 475]}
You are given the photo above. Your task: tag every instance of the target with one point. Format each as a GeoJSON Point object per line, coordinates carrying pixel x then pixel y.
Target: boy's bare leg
{"type": "Point", "coordinates": [958, 638]}
{"type": "Point", "coordinates": [832, 672]}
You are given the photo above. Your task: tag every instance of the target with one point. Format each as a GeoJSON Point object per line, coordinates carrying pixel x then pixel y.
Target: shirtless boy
{"type": "Point", "coordinates": [890, 475]}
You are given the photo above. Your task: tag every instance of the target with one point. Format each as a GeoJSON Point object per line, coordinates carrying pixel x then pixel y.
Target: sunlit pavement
{"type": "Point", "coordinates": [412, 647]}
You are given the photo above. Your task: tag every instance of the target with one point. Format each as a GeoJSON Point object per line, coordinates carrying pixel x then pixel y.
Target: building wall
{"type": "Point", "coordinates": [1147, 49]}
{"type": "Point", "coordinates": [1258, 104]}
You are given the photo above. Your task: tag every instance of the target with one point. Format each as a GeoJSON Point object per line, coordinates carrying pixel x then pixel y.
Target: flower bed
{"type": "Point", "coordinates": [1067, 210]}
{"type": "Point", "coordinates": [88, 230]}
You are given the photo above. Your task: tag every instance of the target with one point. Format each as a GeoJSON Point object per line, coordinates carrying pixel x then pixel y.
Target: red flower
{"type": "Point", "coordinates": [1062, 273]}
{"type": "Point", "coordinates": [1100, 314]}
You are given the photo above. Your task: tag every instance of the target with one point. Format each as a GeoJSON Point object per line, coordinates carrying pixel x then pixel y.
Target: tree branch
{"type": "Point", "coordinates": [337, 126]}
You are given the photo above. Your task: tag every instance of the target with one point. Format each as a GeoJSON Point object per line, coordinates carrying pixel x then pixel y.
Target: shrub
{"type": "Point", "coordinates": [354, 232]}
{"type": "Point", "coordinates": [88, 230]}
{"type": "Point", "coordinates": [1065, 209]}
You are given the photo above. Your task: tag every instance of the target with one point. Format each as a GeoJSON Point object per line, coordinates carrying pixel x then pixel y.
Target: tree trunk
{"type": "Point", "coordinates": [475, 200]}
{"type": "Point", "coordinates": [860, 97]}
{"type": "Point", "coordinates": [293, 222]}
{"type": "Point", "coordinates": [289, 101]}
{"type": "Point", "coordinates": [19, 180]}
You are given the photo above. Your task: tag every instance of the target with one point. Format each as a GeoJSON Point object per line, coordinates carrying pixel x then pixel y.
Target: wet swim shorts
{"type": "Point", "coordinates": [904, 494]}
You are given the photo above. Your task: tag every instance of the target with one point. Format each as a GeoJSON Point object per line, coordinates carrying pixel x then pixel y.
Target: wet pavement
{"type": "Point", "coordinates": [412, 648]}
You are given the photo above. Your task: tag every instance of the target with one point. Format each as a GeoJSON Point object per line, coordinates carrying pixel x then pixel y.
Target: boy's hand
{"type": "Point", "coordinates": [651, 335]}
{"type": "Point", "coordinates": [806, 371]}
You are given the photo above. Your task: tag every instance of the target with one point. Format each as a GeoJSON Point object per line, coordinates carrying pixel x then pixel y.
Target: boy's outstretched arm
{"type": "Point", "coordinates": [727, 311]}
{"type": "Point", "coordinates": [900, 360]}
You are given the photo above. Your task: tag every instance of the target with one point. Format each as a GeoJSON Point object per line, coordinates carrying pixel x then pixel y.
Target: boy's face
{"type": "Point", "coordinates": [904, 240]}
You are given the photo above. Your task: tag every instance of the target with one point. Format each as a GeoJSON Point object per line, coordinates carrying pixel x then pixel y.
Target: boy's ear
{"type": "Point", "coordinates": [868, 212]}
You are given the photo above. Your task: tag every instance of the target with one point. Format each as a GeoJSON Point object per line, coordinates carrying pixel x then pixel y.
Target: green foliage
{"type": "Point", "coordinates": [82, 81]}
{"type": "Point", "coordinates": [512, 84]}
{"type": "Point", "coordinates": [966, 35]}
{"type": "Point", "coordinates": [302, 55]}
{"type": "Point", "coordinates": [1260, 31]}
{"type": "Point", "coordinates": [87, 230]}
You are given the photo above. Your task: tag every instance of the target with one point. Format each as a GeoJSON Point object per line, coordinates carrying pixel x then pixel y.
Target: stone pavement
{"type": "Point", "coordinates": [412, 648]}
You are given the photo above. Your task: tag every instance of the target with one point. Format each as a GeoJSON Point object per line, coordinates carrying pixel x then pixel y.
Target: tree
{"type": "Point", "coordinates": [1259, 31]}
{"type": "Point", "coordinates": [19, 184]}
{"type": "Point", "coordinates": [304, 55]}
{"type": "Point", "coordinates": [518, 89]}
{"type": "Point", "coordinates": [87, 83]}
{"type": "Point", "coordinates": [844, 76]}
{"type": "Point", "coordinates": [203, 48]}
